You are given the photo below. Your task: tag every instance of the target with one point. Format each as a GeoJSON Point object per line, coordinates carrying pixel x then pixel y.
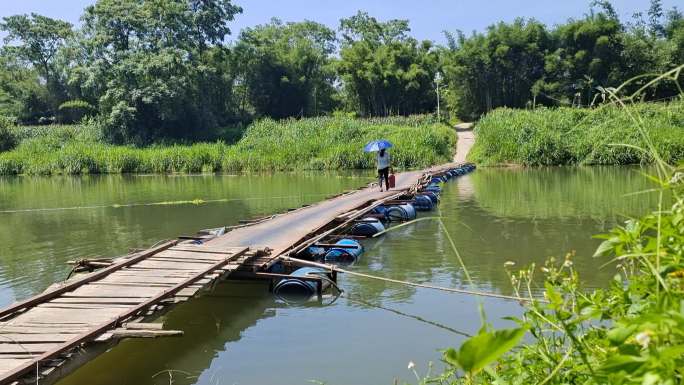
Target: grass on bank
{"type": "Point", "coordinates": [267, 145]}
{"type": "Point", "coordinates": [570, 136]}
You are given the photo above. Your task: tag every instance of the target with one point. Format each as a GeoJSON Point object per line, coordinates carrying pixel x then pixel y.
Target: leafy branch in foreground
{"type": "Point", "coordinates": [629, 333]}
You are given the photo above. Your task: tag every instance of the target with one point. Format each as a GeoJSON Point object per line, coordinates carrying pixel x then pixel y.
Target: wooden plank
{"type": "Point", "coordinates": [113, 291]}
{"type": "Point", "coordinates": [157, 285]}
{"type": "Point", "coordinates": [7, 364]}
{"type": "Point", "coordinates": [26, 348]}
{"type": "Point", "coordinates": [181, 252]}
{"type": "Point", "coordinates": [124, 279]}
{"type": "Point", "coordinates": [207, 261]}
{"type": "Point", "coordinates": [89, 278]}
{"type": "Point", "coordinates": [12, 338]}
{"type": "Point", "coordinates": [144, 325]}
{"type": "Point", "coordinates": [126, 333]}
{"type": "Point", "coordinates": [97, 300]}
{"type": "Point", "coordinates": [203, 250]}
{"type": "Point", "coordinates": [173, 265]}
{"type": "Point", "coordinates": [273, 276]}
{"type": "Point", "coordinates": [110, 306]}
{"type": "Point", "coordinates": [42, 329]}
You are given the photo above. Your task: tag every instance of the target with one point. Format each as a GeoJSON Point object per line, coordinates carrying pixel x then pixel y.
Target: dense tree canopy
{"type": "Point", "coordinates": [35, 41]}
{"type": "Point", "coordinates": [163, 69]}
{"type": "Point", "coordinates": [384, 71]}
{"type": "Point", "coordinates": [525, 62]}
{"type": "Point", "coordinates": [286, 68]}
{"type": "Point", "coordinates": [150, 66]}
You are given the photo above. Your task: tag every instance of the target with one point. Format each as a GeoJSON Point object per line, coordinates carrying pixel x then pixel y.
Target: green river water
{"type": "Point", "coordinates": [239, 334]}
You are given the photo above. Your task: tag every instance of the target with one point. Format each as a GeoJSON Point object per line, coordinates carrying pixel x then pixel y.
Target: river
{"type": "Point", "coordinates": [239, 334]}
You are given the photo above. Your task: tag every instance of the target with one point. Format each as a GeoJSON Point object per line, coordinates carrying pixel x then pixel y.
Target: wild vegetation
{"type": "Point", "coordinates": [267, 145]}
{"type": "Point", "coordinates": [629, 332]}
{"type": "Point", "coordinates": [525, 64]}
{"type": "Point", "coordinates": [151, 71]}
{"type": "Point", "coordinates": [566, 136]}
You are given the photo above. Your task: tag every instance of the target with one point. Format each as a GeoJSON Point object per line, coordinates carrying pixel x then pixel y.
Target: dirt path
{"type": "Point", "coordinates": [466, 139]}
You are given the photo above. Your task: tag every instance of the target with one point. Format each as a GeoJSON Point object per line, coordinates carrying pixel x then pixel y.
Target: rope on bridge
{"type": "Point", "coordinates": [407, 283]}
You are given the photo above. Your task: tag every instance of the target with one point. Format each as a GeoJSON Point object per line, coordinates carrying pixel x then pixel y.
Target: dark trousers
{"type": "Point", "coordinates": [384, 173]}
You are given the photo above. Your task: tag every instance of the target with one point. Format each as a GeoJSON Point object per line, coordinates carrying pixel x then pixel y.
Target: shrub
{"type": "Point", "coordinates": [563, 136]}
{"type": "Point", "coordinates": [8, 139]}
{"type": "Point", "coordinates": [73, 111]}
{"type": "Point", "coordinates": [317, 143]}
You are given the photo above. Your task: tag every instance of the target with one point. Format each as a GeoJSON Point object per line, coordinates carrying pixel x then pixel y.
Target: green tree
{"type": "Point", "coordinates": [523, 64]}
{"type": "Point", "coordinates": [36, 41]}
{"type": "Point", "coordinates": [286, 68]}
{"type": "Point", "coordinates": [383, 70]}
{"type": "Point", "coordinates": [151, 66]}
{"type": "Point", "coordinates": [497, 68]}
{"type": "Point", "coordinates": [655, 15]}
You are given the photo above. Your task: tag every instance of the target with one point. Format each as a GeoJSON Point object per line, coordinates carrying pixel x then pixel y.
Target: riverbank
{"type": "Point", "coordinates": [330, 143]}
{"type": "Point", "coordinates": [568, 136]}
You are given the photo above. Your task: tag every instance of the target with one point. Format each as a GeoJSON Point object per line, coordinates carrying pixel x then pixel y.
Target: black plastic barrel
{"type": "Point", "coordinates": [423, 203]}
{"type": "Point", "coordinates": [367, 227]}
{"type": "Point", "coordinates": [405, 212]}
{"type": "Point", "coordinates": [432, 196]}
{"type": "Point", "coordinates": [347, 254]}
{"type": "Point", "coordinates": [295, 288]}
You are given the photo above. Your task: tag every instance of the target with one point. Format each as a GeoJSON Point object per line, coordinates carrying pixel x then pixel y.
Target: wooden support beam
{"type": "Point", "coordinates": [144, 326]}
{"type": "Point", "coordinates": [272, 276]}
{"type": "Point", "coordinates": [134, 333]}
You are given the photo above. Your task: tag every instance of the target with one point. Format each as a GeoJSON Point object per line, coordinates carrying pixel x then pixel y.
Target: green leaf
{"type": "Point", "coordinates": [604, 248]}
{"type": "Point", "coordinates": [450, 356]}
{"type": "Point", "coordinates": [484, 348]}
{"type": "Point", "coordinates": [623, 363]}
{"type": "Point", "coordinates": [618, 335]}
{"type": "Point", "coordinates": [555, 299]}
{"type": "Point", "coordinates": [672, 352]}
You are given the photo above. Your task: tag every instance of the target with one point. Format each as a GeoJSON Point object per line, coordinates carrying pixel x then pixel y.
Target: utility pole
{"type": "Point", "coordinates": [438, 80]}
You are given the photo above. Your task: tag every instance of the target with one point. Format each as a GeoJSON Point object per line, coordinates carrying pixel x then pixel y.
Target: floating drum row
{"type": "Point", "coordinates": [349, 250]}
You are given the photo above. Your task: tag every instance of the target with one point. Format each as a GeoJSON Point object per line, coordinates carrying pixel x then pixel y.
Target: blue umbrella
{"type": "Point", "coordinates": [377, 145]}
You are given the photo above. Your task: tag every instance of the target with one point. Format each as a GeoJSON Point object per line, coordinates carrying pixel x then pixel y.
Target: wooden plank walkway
{"type": "Point", "coordinates": [84, 310]}
{"type": "Point", "coordinates": [39, 335]}
{"type": "Point", "coordinates": [282, 232]}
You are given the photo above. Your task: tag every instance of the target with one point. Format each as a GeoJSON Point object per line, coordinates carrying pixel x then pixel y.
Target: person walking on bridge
{"type": "Point", "coordinates": [384, 168]}
{"type": "Point", "coordinates": [383, 160]}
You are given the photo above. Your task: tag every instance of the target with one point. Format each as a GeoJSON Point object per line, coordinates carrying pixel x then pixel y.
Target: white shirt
{"type": "Point", "coordinates": [383, 161]}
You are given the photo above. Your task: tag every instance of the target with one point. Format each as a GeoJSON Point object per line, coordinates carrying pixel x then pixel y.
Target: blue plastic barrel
{"type": "Point", "coordinates": [432, 196]}
{"type": "Point", "coordinates": [312, 253]}
{"type": "Point", "coordinates": [433, 188]}
{"type": "Point", "coordinates": [423, 203]}
{"type": "Point", "coordinates": [367, 227]}
{"type": "Point", "coordinates": [346, 254]}
{"type": "Point", "coordinates": [405, 212]}
{"type": "Point", "coordinates": [381, 210]}
{"type": "Point", "coordinates": [295, 288]}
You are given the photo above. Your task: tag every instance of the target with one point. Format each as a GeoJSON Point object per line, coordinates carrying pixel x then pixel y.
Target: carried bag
{"type": "Point", "coordinates": [392, 179]}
